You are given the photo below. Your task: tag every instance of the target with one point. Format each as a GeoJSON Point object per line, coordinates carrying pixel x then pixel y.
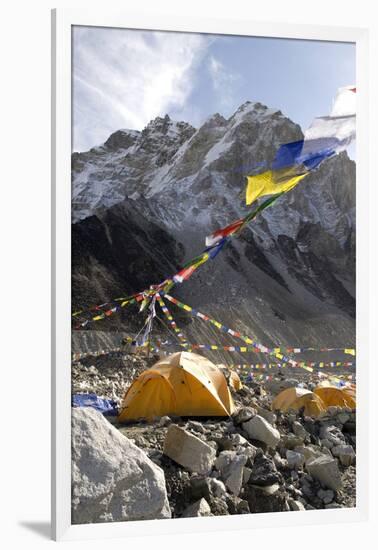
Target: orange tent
{"type": "Point", "coordinates": [296, 398]}
{"type": "Point", "coordinates": [183, 384]}
{"type": "Point", "coordinates": [339, 397]}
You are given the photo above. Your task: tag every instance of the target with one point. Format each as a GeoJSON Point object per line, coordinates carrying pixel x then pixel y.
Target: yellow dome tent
{"type": "Point", "coordinates": [338, 397]}
{"type": "Point", "coordinates": [295, 399]}
{"type": "Point", "coordinates": [183, 384]}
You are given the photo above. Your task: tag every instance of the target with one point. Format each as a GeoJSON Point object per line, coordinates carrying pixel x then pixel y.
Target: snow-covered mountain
{"type": "Point", "coordinates": [143, 203]}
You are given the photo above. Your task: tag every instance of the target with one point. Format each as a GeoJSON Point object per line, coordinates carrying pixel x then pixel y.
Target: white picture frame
{"type": "Point", "coordinates": [62, 21]}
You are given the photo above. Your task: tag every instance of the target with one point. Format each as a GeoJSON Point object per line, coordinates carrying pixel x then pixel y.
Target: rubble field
{"type": "Point", "coordinates": [255, 461]}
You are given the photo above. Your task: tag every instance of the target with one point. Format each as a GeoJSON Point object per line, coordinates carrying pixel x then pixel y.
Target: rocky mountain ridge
{"type": "Point", "coordinates": [144, 201]}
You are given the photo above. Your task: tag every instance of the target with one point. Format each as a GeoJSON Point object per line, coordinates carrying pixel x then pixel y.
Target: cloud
{"type": "Point", "coordinates": [223, 80]}
{"type": "Point", "coordinates": [124, 78]}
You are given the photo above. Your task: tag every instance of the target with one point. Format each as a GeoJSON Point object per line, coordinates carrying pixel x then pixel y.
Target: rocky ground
{"type": "Point", "coordinates": [256, 461]}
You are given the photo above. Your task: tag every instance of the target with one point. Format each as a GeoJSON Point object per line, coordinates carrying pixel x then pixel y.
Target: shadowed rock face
{"type": "Point", "coordinates": [144, 202]}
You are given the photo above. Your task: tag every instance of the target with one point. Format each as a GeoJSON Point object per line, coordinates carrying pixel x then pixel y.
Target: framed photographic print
{"type": "Point", "coordinates": [209, 274]}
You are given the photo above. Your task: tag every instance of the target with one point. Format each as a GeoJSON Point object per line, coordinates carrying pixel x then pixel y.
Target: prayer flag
{"type": "Point", "coordinates": [265, 184]}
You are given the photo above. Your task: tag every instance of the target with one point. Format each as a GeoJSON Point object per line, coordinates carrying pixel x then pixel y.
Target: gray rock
{"type": "Point", "coordinates": [165, 421]}
{"type": "Point", "coordinates": [218, 488]}
{"type": "Point", "coordinates": [231, 467]}
{"type": "Point", "coordinates": [267, 489]}
{"type": "Point", "coordinates": [333, 410]}
{"type": "Point", "coordinates": [223, 460]}
{"type": "Point", "coordinates": [326, 496]}
{"type": "Point", "coordinates": [345, 453]}
{"type": "Point", "coordinates": [238, 439]}
{"type": "Point", "coordinates": [343, 417]}
{"type": "Point", "coordinates": [244, 414]}
{"type": "Point", "coordinates": [236, 505]}
{"type": "Point", "coordinates": [268, 415]}
{"type": "Point", "coordinates": [296, 505]}
{"type": "Point", "coordinates": [290, 441]}
{"type": "Point", "coordinates": [200, 487]}
{"type": "Point", "coordinates": [234, 480]}
{"type": "Point", "coordinates": [218, 506]}
{"type": "Point", "coordinates": [299, 430]}
{"type": "Point", "coordinates": [112, 479]}
{"type": "Point", "coordinates": [333, 434]}
{"type": "Point", "coordinates": [263, 472]}
{"type": "Point", "coordinates": [258, 428]}
{"type": "Point", "coordinates": [326, 443]}
{"type": "Point", "coordinates": [196, 426]}
{"type": "Point", "coordinates": [188, 450]}
{"type": "Point", "coordinates": [295, 461]}
{"type": "Point", "coordinates": [197, 509]}
{"type": "Point", "coordinates": [325, 470]}
{"type": "Point", "coordinates": [311, 451]}
{"type": "Point", "coordinates": [246, 474]}
{"type": "Point", "coordinates": [333, 505]}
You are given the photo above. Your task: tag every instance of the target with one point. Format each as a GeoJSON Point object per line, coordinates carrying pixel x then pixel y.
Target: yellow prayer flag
{"type": "Point", "coordinates": [265, 184]}
{"type": "Point", "coordinates": [98, 317]}
{"type": "Point", "coordinates": [350, 351]}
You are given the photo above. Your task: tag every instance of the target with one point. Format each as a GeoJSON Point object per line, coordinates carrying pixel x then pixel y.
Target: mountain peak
{"type": "Point", "coordinates": [122, 139]}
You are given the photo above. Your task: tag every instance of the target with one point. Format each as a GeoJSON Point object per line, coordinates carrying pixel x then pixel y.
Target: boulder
{"type": "Point", "coordinates": [263, 471]}
{"type": "Point", "coordinates": [259, 429]}
{"type": "Point", "coordinates": [200, 487]}
{"type": "Point", "coordinates": [290, 441]}
{"type": "Point", "coordinates": [197, 509]}
{"type": "Point", "coordinates": [231, 467]}
{"type": "Point", "coordinates": [237, 505]}
{"type": "Point", "coordinates": [112, 479]}
{"type": "Point", "coordinates": [345, 453]}
{"type": "Point", "coordinates": [261, 500]}
{"type": "Point", "coordinates": [343, 417]}
{"type": "Point", "coordinates": [325, 470]}
{"type": "Point", "coordinates": [268, 415]}
{"type": "Point", "coordinates": [326, 496]}
{"type": "Point", "coordinates": [299, 430]}
{"type": "Point", "coordinates": [244, 414]}
{"type": "Point", "coordinates": [295, 461]}
{"type": "Point", "coordinates": [309, 452]}
{"type": "Point", "coordinates": [333, 434]}
{"type": "Point", "coordinates": [188, 450]}
{"type": "Point", "coordinates": [218, 506]}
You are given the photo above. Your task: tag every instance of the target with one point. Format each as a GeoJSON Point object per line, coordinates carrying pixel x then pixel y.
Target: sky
{"type": "Point", "coordinates": [125, 78]}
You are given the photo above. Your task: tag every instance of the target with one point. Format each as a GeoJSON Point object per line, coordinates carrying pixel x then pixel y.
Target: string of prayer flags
{"type": "Point", "coordinates": [258, 348]}
{"type": "Point", "coordinates": [220, 234]}
{"type": "Point", "coordinates": [190, 268]}
{"type": "Point", "coordinates": [325, 137]}
{"type": "Point", "coordinates": [172, 322]}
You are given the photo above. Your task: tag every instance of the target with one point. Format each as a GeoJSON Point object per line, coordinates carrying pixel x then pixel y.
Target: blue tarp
{"type": "Point", "coordinates": [104, 406]}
